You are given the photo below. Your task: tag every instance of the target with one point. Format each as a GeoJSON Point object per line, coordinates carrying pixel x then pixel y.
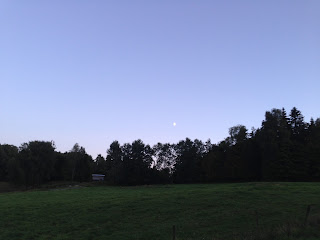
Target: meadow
{"type": "Point", "coordinates": [198, 211]}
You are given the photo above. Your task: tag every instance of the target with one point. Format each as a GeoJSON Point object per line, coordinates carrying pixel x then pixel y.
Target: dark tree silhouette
{"type": "Point", "coordinates": [284, 148]}
{"type": "Point", "coordinates": [8, 156]}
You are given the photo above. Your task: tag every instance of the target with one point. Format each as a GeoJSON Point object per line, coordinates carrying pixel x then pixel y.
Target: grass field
{"type": "Point", "coordinates": [199, 211]}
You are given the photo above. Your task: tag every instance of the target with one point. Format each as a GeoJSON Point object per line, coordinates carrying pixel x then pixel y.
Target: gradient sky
{"type": "Point", "coordinates": [91, 72]}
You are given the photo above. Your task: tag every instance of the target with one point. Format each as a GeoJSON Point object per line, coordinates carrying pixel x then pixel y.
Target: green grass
{"type": "Point", "coordinates": [199, 211]}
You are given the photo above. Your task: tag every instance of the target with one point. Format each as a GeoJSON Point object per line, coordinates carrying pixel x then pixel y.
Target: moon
{"type": "Point", "coordinates": [174, 124]}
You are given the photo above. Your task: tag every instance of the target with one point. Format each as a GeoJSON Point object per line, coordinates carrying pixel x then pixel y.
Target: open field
{"type": "Point", "coordinates": [199, 211]}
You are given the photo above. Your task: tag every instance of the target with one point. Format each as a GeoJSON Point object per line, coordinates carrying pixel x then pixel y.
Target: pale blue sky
{"type": "Point", "coordinates": [96, 71]}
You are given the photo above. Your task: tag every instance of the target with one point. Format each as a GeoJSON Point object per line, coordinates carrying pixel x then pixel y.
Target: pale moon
{"type": "Point", "coordinates": [174, 124]}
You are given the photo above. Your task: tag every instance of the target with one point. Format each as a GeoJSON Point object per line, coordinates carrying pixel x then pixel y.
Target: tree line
{"type": "Point", "coordinates": [284, 148]}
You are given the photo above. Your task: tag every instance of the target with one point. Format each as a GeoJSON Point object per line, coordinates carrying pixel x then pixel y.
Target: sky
{"type": "Point", "coordinates": [91, 72]}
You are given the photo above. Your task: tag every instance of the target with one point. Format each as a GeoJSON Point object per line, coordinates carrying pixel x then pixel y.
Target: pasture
{"type": "Point", "coordinates": [198, 211]}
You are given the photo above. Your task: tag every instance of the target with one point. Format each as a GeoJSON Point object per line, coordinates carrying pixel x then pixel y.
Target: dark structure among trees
{"type": "Point", "coordinates": [284, 148]}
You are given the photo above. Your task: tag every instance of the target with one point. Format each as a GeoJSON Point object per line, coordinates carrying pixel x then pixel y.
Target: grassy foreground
{"type": "Point", "coordinates": [199, 211]}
